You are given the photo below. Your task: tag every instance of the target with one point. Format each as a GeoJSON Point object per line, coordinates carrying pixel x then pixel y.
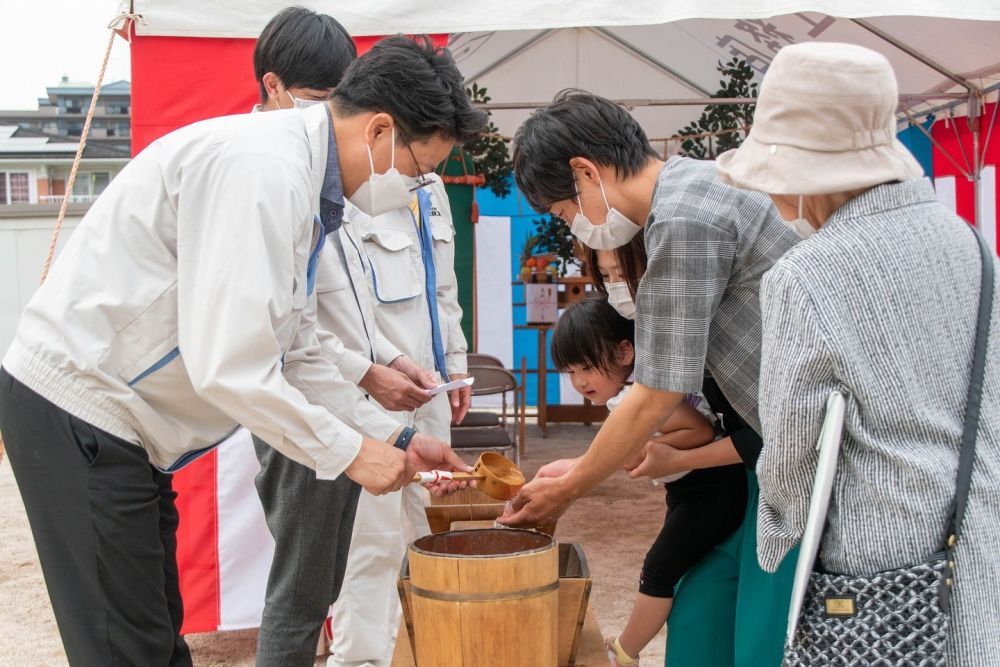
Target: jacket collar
{"type": "Point", "coordinates": [325, 165]}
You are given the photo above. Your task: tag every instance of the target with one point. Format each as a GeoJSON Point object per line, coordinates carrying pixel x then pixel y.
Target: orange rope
{"type": "Point", "coordinates": [468, 179]}
{"type": "Point", "coordinates": [76, 161]}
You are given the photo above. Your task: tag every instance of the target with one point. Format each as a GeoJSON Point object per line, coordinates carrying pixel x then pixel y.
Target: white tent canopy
{"type": "Point", "coordinates": [246, 18]}
{"type": "Point", "coordinates": [659, 57]}
{"type": "Point", "coordinates": [665, 72]}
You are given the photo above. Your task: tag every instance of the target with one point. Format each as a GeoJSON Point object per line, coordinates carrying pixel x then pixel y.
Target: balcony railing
{"type": "Point", "coordinates": [73, 199]}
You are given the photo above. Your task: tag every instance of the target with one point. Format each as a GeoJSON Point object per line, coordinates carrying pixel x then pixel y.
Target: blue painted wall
{"type": "Point", "coordinates": [920, 146]}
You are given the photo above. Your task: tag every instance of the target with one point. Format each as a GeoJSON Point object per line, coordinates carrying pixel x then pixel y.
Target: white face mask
{"type": "Point", "coordinates": [386, 192]}
{"type": "Point", "coordinates": [616, 231]}
{"type": "Point", "coordinates": [621, 299]}
{"type": "Point", "coordinates": [298, 103]}
{"type": "Point", "coordinates": [801, 225]}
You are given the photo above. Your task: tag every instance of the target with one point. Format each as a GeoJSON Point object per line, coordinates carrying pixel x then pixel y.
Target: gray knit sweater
{"type": "Point", "coordinates": [882, 304]}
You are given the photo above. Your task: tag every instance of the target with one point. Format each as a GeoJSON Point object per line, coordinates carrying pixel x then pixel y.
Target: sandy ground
{"type": "Point", "coordinates": [615, 524]}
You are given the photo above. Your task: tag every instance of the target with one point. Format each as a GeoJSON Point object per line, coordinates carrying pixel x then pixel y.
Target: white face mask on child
{"type": "Point", "coordinates": [620, 299]}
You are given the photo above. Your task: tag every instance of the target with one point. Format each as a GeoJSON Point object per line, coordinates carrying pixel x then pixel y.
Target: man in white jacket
{"type": "Point", "coordinates": [298, 60]}
{"type": "Point", "coordinates": [411, 258]}
{"type": "Point", "coordinates": [182, 308]}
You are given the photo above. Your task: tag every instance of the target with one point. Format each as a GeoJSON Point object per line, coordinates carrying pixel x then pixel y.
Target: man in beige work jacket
{"type": "Point", "coordinates": [411, 253]}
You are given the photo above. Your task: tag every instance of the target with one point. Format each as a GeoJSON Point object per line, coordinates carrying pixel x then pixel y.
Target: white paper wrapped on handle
{"type": "Point", "coordinates": [433, 476]}
{"type": "Point", "coordinates": [454, 384]}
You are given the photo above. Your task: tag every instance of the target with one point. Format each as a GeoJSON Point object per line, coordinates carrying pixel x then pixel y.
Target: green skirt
{"type": "Point", "coordinates": [727, 611]}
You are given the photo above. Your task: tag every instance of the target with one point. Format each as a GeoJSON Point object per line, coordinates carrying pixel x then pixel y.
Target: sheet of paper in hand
{"type": "Point", "coordinates": [448, 386]}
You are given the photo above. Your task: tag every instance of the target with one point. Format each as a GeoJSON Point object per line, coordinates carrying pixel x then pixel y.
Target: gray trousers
{"type": "Point", "coordinates": [311, 521]}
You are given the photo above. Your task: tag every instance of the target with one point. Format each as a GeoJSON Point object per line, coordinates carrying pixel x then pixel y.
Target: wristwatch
{"type": "Point", "coordinates": [403, 440]}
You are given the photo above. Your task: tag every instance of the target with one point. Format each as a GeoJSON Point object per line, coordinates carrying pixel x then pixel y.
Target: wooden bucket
{"type": "Point", "coordinates": [574, 597]}
{"type": "Point", "coordinates": [482, 598]}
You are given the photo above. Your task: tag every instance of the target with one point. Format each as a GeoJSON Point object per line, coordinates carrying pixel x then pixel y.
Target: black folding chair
{"type": "Point", "coordinates": [486, 431]}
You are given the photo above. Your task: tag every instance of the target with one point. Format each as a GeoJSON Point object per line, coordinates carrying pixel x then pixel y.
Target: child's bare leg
{"type": "Point", "coordinates": [648, 616]}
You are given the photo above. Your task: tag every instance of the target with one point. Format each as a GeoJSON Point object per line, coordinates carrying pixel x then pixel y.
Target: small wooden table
{"type": "Point", "coordinates": [590, 654]}
{"type": "Point", "coordinates": [586, 413]}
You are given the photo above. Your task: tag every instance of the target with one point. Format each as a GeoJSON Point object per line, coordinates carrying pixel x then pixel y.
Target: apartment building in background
{"type": "Point", "coordinates": [64, 108]}
{"type": "Point", "coordinates": [37, 147]}
{"type": "Point", "coordinates": [35, 166]}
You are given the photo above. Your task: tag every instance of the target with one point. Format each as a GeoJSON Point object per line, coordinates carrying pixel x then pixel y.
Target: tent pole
{"type": "Point", "coordinates": [936, 144]}
{"type": "Point", "coordinates": [913, 53]}
{"type": "Point", "coordinates": [989, 130]}
{"type": "Point", "coordinates": [964, 98]}
{"type": "Point", "coordinates": [969, 166]}
{"type": "Point", "coordinates": [521, 48]}
{"type": "Point", "coordinates": [698, 101]}
{"type": "Point", "coordinates": [976, 184]}
{"type": "Point", "coordinates": [974, 116]}
{"type": "Point", "coordinates": [658, 64]}
{"type": "Point", "coordinates": [974, 100]}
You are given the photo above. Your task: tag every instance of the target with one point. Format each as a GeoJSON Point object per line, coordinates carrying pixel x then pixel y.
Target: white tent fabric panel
{"type": "Point", "coordinates": [243, 572]}
{"type": "Point", "coordinates": [582, 58]}
{"type": "Point", "coordinates": [246, 18]}
{"type": "Point", "coordinates": [944, 188]}
{"type": "Point", "coordinates": [494, 313]}
{"type": "Point", "coordinates": [987, 205]}
{"type": "Point", "coordinates": [495, 325]}
{"type": "Point", "coordinates": [528, 50]}
{"type": "Point", "coordinates": [677, 61]}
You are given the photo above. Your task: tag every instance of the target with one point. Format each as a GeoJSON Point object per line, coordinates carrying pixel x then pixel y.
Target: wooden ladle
{"type": "Point", "coordinates": [496, 475]}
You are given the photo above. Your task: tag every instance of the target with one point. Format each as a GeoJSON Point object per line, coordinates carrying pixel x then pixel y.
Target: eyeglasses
{"type": "Point", "coordinates": [422, 179]}
{"type": "Point", "coordinates": [422, 182]}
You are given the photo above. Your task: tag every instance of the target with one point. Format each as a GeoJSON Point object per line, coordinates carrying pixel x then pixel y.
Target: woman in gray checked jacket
{"type": "Point", "coordinates": [880, 303]}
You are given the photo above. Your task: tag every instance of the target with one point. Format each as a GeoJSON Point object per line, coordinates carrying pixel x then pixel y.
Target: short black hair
{"type": "Point", "coordinates": [305, 49]}
{"type": "Point", "coordinates": [415, 83]}
{"type": "Point", "coordinates": [588, 334]}
{"type": "Point", "coordinates": [576, 124]}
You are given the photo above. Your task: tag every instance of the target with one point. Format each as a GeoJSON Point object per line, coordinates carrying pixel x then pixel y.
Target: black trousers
{"type": "Point", "coordinates": [105, 526]}
{"type": "Point", "coordinates": [703, 508]}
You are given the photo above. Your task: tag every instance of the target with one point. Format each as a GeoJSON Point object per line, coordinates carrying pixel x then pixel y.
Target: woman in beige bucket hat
{"type": "Point", "coordinates": [881, 304]}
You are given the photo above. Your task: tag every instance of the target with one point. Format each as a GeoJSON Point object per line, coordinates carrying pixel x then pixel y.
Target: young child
{"type": "Point", "coordinates": [617, 273]}
{"type": "Point", "coordinates": [593, 344]}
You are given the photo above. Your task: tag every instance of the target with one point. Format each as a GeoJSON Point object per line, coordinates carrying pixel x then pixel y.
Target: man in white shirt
{"type": "Point", "coordinates": [180, 310]}
{"type": "Point", "coordinates": [411, 267]}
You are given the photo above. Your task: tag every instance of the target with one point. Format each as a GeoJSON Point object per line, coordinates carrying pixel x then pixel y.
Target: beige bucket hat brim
{"type": "Point", "coordinates": [825, 122]}
{"type": "Point", "coordinates": [783, 169]}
